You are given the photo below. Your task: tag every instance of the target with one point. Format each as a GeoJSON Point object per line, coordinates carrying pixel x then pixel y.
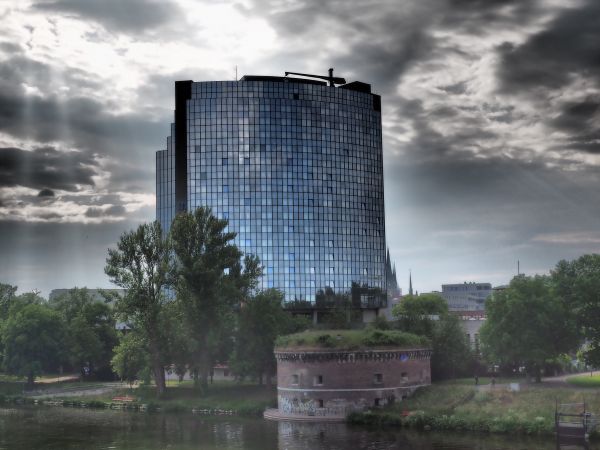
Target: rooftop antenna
{"type": "Point", "coordinates": [330, 78]}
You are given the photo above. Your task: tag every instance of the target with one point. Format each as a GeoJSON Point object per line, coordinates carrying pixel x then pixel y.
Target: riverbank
{"type": "Point", "coordinates": [221, 398]}
{"type": "Point", "coordinates": [493, 409]}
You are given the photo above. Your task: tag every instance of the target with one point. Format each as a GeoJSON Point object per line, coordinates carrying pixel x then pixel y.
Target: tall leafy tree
{"type": "Point", "coordinates": [577, 282]}
{"type": "Point", "coordinates": [130, 357]}
{"type": "Point", "coordinates": [7, 296]}
{"type": "Point", "coordinates": [427, 315]}
{"type": "Point", "coordinates": [91, 333]}
{"type": "Point", "coordinates": [139, 264]}
{"type": "Point", "coordinates": [528, 324]}
{"type": "Point", "coordinates": [209, 279]}
{"type": "Point", "coordinates": [33, 338]}
{"type": "Point", "coordinates": [261, 320]}
{"type": "Point", "coordinates": [452, 354]}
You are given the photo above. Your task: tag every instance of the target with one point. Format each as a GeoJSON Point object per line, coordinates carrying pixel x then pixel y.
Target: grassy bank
{"type": "Point", "coordinates": [235, 398]}
{"type": "Point", "coordinates": [450, 406]}
{"type": "Point", "coordinates": [585, 381]}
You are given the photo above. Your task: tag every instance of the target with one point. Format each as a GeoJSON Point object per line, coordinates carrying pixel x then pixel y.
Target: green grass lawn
{"type": "Point", "coordinates": [455, 406]}
{"type": "Point", "coordinates": [243, 398]}
{"type": "Point", "coordinates": [585, 381]}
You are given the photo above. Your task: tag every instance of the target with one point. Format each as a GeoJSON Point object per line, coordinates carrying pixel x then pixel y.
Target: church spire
{"type": "Point", "coordinates": [410, 290]}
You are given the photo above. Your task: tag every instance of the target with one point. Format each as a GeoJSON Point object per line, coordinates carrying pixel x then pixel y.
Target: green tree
{"type": "Point", "coordinates": [452, 355]}
{"type": "Point", "coordinates": [33, 338]}
{"type": "Point", "coordinates": [209, 280]}
{"type": "Point", "coordinates": [261, 320]}
{"type": "Point", "coordinates": [528, 324]}
{"type": "Point", "coordinates": [91, 333]}
{"type": "Point", "coordinates": [139, 264]}
{"type": "Point", "coordinates": [416, 314]}
{"type": "Point", "coordinates": [7, 297]}
{"type": "Point", "coordinates": [577, 282]}
{"type": "Point", "coordinates": [130, 357]}
{"type": "Point", "coordinates": [427, 315]}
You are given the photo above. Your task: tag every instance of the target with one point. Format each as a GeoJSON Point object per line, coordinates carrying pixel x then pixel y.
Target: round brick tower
{"type": "Point", "coordinates": [329, 383]}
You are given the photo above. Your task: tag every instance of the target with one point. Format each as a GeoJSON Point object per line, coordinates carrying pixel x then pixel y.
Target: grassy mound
{"type": "Point", "coordinates": [351, 339]}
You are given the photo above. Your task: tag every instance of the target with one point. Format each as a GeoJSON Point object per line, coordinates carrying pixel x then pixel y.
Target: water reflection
{"type": "Point", "coordinates": [67, 429]}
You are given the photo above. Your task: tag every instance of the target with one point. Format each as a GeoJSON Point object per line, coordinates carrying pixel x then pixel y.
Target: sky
{"type": "Point", "coordinates": [490, 110]}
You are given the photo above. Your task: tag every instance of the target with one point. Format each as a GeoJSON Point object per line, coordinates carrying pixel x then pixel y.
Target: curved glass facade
{"type": "Point", "coordinates": [296, 168]}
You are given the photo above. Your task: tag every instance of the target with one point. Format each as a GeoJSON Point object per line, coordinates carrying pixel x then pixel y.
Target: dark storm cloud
{"type": "Point", "coordinates": [111, 211]}
{"type": "Point", "coordinates": [79, 122]}
{"type": "Point", "coordinates": [386, 60]}
{"type": "Point", "coordinates": [45, 168]}
{"type": "Point", "coordinates": [46, 193]}
{"type": "Point", "coordinates": [18, 69]}
{"type": "Point", "coordinates": [456, 88]}
{"type": "Point", "coordinates": [10, 47]}
{"type": "Point", "coordinates": [131, 16]}
{"type": "Point", "coordinates": [381, 41]}
{"type": "Point", "coordinates": [553, 57]}
{"type": "Point", "coordinates": [580, 121]}
{"type": "Point", "coordinates": [479, 17]}
{"type": "Point", "coordinates": [378, 43]}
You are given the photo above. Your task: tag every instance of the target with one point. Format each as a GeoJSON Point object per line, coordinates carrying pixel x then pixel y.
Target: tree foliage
{"type": "Point", "coordinates": [33, 337]}
{"type": "Point", "coordinates": [452, 354]}
{"type": "Point", "coordinates": [90, 329]}
{"type": "Point", "coordinates": [7, 297]}
{"type": "Point", "coordinates": [209, 279]}
{"type": "Point", "coordinates": [417, 314]}
{"type": "Point", "coordinates": [261, 320]}
{"type": "Point", "coordinates": [130, 357]}
{"type": "Point", "coordinates": [577, 282]}
{"type": "Point", "coordinates": [427, 315]}
{"type": "Point", "coordinates": [140, 264]}
{"type": "Point", "coordinates": [527, 324]}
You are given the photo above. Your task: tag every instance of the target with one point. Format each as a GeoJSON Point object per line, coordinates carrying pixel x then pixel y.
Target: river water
{"type": "Point", "coordinates": [41, 428]}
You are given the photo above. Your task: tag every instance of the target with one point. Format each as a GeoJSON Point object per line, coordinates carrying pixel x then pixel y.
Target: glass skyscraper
{"type": "Point", "coordinates": [295, 165]}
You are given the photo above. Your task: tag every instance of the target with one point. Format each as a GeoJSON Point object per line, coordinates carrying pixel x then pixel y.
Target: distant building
{"type": "Point", "coordinates": [466, 296]}
{"type": "Point", "coordinates": [471, 321]}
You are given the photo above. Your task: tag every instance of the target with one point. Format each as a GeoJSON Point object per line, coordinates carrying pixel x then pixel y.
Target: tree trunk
{"type": "Point", "coordinates": [269, 381]}
{"type": "Point", "coordinates": [205, 365]}
{"type": "Point", "coordinates": [196, 373]}
{"type": "Point", "coordinates": [159, 379]}
{"type": "Point", "coordinates": [204, 378]}
{"type": "Point", "coordinates": [158, 369]}
{"type": "Point", "coordinates": [30, 379]}
{"type": "Point", "coordinates": [538, 374]}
